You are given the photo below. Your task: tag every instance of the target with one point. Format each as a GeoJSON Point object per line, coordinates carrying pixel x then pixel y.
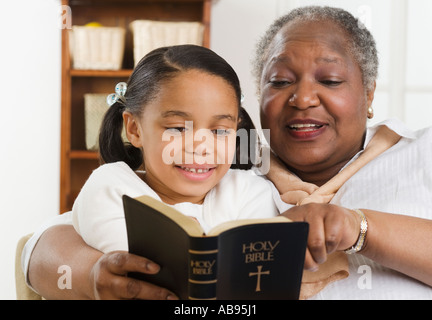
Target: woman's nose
{"type": "Point", "coordinates": [304, 96]}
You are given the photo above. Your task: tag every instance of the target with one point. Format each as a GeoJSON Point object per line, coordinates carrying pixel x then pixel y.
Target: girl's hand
{"type": "Point", "coordinates": [331, 228]}
{"type": "Point", "coordinates": [109, 278]}
{"type": "Point", "coordinates": [291, 188]}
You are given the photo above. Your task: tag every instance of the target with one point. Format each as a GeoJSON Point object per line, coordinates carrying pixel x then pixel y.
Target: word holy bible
{"type": "Point", "coordinates": [237, 260]}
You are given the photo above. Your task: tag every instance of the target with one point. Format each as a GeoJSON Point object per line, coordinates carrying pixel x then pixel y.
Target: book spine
{"type": "Point", "coordinates": [203, 255]}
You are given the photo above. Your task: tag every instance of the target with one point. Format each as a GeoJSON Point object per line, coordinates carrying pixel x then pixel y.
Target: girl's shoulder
{"type": "Point", "coordinates": [114, 174]}
{"type": "Point", "coordinates": [241, 194]}
{"type": "Point", "coordinates": [240, 181]}
{"type": "Point", "coordinates": [114, 167]}
{"type": "Point", "coordinates": [243, 176]}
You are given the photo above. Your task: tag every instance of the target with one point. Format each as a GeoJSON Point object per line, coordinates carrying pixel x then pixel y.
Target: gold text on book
{"type": "Point", "coordinates": [259, 251]}
{"type": "Point", "coordinates": [202, 267]}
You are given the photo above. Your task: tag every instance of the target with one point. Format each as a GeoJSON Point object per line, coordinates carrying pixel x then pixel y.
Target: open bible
{"type": "Point", "coordinates": [241, 259]}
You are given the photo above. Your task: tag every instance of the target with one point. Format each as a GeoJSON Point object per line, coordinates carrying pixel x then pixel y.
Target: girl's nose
{"type": "Point", "coordinates": [200, 144]}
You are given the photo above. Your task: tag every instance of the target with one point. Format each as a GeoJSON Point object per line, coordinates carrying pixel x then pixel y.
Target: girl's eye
{"type": "Point", "coordinates": [176, 130]}
{"type": "Point", "coordinates": [221, 132]}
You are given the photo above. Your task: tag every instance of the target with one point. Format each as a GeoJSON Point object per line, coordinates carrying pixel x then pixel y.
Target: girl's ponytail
{"type": "Point", "coordinates": [112, 148]}
{"type": "Point", "coordinates": [246, 161]}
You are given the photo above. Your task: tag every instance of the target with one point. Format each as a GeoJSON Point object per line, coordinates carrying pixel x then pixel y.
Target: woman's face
{"type": "Point", "coordinates": [313, 99]}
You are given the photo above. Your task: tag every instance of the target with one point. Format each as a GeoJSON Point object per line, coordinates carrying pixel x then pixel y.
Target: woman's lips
{"type": "Point", "coordinates": [305, 129]}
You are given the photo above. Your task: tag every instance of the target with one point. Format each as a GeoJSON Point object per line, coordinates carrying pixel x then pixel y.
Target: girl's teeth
{"type": "Point", "coordinates": [193, 170]}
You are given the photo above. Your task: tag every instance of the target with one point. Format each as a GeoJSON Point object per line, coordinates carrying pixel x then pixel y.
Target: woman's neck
{"type": "Point", "coordinates": [320, 173]}
{"type": "Point", "coordinates": [318, 178]}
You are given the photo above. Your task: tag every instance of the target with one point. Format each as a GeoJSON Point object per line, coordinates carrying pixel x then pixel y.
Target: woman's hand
{"type": "Point", "coordinates": [331, 228]}
{"type": "Point", "coordinates": [94, 275]}
{"type": "Point", "coordinates": [110, 281]}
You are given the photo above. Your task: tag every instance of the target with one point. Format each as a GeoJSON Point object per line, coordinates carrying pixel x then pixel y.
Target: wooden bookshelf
{"type": "Point", "coordinates": [101, 73]}
{"type": "Point", "coordinates": [76, 162]}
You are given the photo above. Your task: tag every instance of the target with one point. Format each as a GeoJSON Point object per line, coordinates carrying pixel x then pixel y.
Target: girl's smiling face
{"type": "Point", "coordinates": [187, 134]}
{"type": "Point", "coordinates": [313, 99]}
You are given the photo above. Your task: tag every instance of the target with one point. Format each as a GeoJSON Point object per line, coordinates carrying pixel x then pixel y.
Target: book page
{"type": "Point", "coordinates": [188, 224]}
{"type": "Point", "coordinates": [193, 228]}
{"type": "Point", "coordinates": [236, 223]}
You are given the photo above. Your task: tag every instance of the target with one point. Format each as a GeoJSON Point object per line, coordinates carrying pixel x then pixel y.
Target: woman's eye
{"type": "Point", "coordinates": [331, 83]}
{"type": "Point", "coordinates": [279, 83]}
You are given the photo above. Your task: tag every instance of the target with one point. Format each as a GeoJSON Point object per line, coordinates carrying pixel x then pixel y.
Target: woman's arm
{"type": "Point", "coordinates": [401, 243]}
{"type": "Point", "coordinates": [94, 275]}
{"type": "Point", "coordinates": [61, 245]}
{"type": "Point", "coordinates": [398, 242]}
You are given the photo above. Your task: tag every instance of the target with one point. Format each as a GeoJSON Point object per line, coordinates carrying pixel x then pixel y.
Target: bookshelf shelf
{"type": "Point", "coordinates": [101, 73]}
{"type": "Point", "coordinates": [83, 154]}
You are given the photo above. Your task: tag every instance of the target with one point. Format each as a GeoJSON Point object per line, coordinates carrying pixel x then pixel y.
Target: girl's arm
{"type": "Point", "coordinates": [93, 275]}
{"type": "Point", "coordinates": [291, 189]}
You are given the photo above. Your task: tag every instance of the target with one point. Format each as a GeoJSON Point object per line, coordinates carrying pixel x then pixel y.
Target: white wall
{"type": "Point", "coordinates": [235, 28]}
{"type": "Point", "coordinates": [30, 82]}
{"type": "Point", "coordinates": [29, 124]}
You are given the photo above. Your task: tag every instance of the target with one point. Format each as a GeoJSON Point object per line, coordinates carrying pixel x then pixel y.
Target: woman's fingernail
{"type": "Point", "coordinates": [313, 269]}
{"type": "Point", "coordinates": [153, 267]}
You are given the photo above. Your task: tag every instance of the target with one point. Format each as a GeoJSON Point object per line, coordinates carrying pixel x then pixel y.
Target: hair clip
{"type": "Point", "coordinates": [242, 98]}
{"type": "Point", "coordinates": [120, 91]}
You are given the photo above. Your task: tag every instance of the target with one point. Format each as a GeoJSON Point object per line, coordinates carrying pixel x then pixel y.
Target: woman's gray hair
{"type": "Point", "coordinates": [361, 43]}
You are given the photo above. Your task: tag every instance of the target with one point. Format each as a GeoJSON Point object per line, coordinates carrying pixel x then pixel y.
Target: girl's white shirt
{"type": "Point", "coordinates": [98, 216]}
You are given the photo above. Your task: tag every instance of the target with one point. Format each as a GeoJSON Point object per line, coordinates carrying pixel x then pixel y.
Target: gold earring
{"type": "Point", "coordinates": [370, 113]}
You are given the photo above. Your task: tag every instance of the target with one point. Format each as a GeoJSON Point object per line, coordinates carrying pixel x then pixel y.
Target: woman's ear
{"type": "Point", "coordinates": [371, 95]}
{"type": "Point", "coordinates": [370, 98]}
{"type": "Point", "coordinates": [132, 129]}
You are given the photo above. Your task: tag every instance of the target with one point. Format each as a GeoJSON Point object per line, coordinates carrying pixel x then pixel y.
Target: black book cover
{"type": "Point", "coordinates": [238, 260]}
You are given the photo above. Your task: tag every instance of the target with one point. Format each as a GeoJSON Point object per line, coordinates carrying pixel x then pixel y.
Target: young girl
{"type": "Point", "coordinates": [181, 110]}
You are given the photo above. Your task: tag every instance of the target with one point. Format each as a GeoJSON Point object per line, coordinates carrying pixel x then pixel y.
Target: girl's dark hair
{"type": "Point", "coordinates": [144, 84]}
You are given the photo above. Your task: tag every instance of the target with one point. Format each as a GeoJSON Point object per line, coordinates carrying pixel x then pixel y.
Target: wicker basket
{"type": "Point", "coordinates": [149, 35]}
{"type": "Point", "coordinates": [95, 107]}
{"type": "Point", "coordinates": [97, 48]}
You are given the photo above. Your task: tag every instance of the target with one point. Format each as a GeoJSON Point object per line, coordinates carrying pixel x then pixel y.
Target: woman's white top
{"type": "Point", "coordinates": [400, 182]}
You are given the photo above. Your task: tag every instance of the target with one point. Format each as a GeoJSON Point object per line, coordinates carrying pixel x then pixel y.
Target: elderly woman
{"type": "Point", "coordinates": [316, 69]}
